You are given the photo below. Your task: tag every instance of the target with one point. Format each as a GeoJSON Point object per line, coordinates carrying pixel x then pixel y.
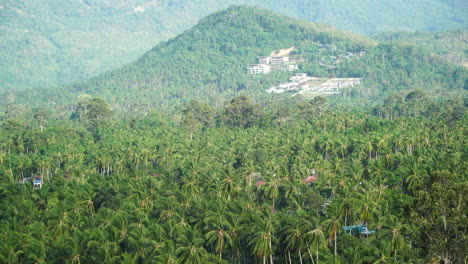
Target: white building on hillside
{"type": "Point", "coordinates": [264, 60]}
{"type": "Point", "coordinates": [259, 69]}
{"type": "Point", "coordinates": [299, 77]}
{"type": "Point", "coordinates": [279, 60]}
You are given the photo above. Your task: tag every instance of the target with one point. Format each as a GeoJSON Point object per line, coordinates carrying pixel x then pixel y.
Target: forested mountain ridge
{"type": "Point", "coordinates": [450, 45]}
{"type": "Point", "coordinates": [47, 44]}
{"type": "Point", "coordinates": [209, 62]}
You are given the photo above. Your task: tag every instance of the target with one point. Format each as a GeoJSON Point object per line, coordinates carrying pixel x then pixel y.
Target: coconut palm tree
{"type": "Point", "coordinates": [263, 236]}
{"type": "Point", "coordinates": [317, 241]}
{"type": "Point", "coordinates": [190, 246]}
{"type": "Point", "coordinates": [333, 225]}
{"type": "Point", "coordinates": [293, 236]}
{"type": "Point", "coordinates": [218, 229]}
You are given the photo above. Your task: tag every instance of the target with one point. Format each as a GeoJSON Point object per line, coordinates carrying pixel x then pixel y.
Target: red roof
{"type": "Point", "coordinates": [310, 179]}
{"type": "Point", "coordinates": [259, 183]}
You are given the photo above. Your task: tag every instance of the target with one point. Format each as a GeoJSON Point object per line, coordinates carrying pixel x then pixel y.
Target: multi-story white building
{"type": "Point", "coordinates": [264, 60]}
{"type": "Point", "coordinates": [259, 69]}
{"type": "Point", "coordinates": [279, 60]}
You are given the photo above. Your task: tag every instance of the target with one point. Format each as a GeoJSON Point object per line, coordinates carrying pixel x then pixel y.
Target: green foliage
{"type": "Point", "coordinates": [208, 63]}
{"type": "Point", "coordinates": [450, 45]}
{"type": "Point", "coordinates": [128, 185]}
{"type": "Point", "coordinates": [144, 192]}
{"type": "Point", "coordinates": [439, 209]}
{"type": "Point", "coordinates": [49, 44]}
{"type": "Point", "coordinates": [241, 112]}
{"type": "Point", "coordinates": [197, 115]}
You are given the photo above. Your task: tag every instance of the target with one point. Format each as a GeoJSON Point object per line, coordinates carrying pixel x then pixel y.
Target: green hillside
{"type": "Point", "coordinates": [450, 45]}
{"type": "Point", "coordinates": [47, 43]}
{"type": "Point", "coordinates": [183, 157]}
{"type": "Point", "coordinates": [209, 62]}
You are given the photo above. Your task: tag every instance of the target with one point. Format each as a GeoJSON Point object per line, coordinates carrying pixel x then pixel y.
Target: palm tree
{"type": "Point", "coordinates": [261, 244]}
{"type": "Point", "coordinates": [317, 241]}
{"type": "Point", "coordinates": [416, 176]}
{"type": "Point", "coordinates": [217, 223]}
{"type": "Point", "coordinates": [272, 189]}
{"type": "Point", "coordinates": [396, 228]}
{"type": "Point", "coordinates": [167, 253]}
{"type": "Point", "coordinates": [366, 207]}
{"type": "Point", "coordinates": [368, 147]}
{"type": "Point", "coordinates": [293, 236]}
{"type": "Point", "coordinates": [346, 209]}
{"type": "Point", "coordinates": [262, 240]}
{"type": "Point", "coordinates": [190, 246]}
{"type": "Point", "coordinates": [332, 225]}
{"type": "Point", "coordinates": [384, 255]}
{"type": "Point", "coordinates": [229, 187]}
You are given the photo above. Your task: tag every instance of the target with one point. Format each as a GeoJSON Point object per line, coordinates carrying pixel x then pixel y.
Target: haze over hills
{"type": "Point", "coordinates": [450, 45]}
{"type": "Point", "coordinates": [45, 43]}
{"type": "Point", "coordinates": [210, 60]}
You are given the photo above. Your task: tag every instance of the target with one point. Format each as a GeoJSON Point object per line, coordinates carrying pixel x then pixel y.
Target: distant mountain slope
{"type": "Point", "coordinates": [46, 43]}
{"type": "Point", "coordinates": [209, 62]}
{"type": "Point", "coordinates": [450, 45]}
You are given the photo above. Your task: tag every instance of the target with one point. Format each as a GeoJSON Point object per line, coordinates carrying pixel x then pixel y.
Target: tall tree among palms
{"type": "Point", "coordinates": [263, 237]}
{"type": "Point", "coordinates": [190, 246]}
{"type": "Point", "coordinates": [217, 223]}
{"type": "Point", "coordinates": [317, 241]}
{"type": "Point", "coordinates": [332, 225]}
{"type": "Point", "coordinates": [346, 208]}
{"type": "Point", "coordinates": [272, 189]}
{"type": "Point", "coordinates": [293, 237]}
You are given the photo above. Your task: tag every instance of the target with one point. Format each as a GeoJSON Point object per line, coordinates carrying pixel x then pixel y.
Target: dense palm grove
{"type": "Point", "coordinates": [227, 185]}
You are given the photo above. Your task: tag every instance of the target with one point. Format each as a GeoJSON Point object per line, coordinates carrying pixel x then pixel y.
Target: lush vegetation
{"type": "Point", "coordinates": [182, 157]}
{"type": "Point", "coordinates": [227, 185]}
{"type": "Point", "coordinates": [46, 43]}
{"type": "Point", "coordinates": [209, 62]}
{"type": "Point", "coordinates": [450, 45]}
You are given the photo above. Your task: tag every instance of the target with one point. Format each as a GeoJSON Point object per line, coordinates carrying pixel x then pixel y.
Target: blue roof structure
{"type": "Point", "coordinates": [358, 229]}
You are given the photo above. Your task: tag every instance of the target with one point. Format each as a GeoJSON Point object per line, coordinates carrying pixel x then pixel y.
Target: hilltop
{"type": "Point", "coordinates": [47, 43]}
{"type": "Point", "coordinates": [210, 61]}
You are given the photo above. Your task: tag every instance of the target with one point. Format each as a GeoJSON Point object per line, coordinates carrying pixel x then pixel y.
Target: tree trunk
{"type": "Point", "coordinates": [300, 256]}
{"type": "Point", "coordinates": [221, 250]}
{"type": "Point", "coordinates": [310, 253]}
{"type": "Point", "coordinates": [289, 256]}
{"type": "Point", "coordinates": [271, 254]}
{"type": "Point", "coordinates": [317, 253]}
{"type": "Point", "coordinates": [335, 244]}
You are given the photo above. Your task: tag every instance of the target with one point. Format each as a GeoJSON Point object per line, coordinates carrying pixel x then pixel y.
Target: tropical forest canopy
{"type": "Point", "coordinates": [183, 157]}
{"type": "Point", "coordinates": [49, 43]}
{"type": "Point", "coordinates": [230, 185]}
